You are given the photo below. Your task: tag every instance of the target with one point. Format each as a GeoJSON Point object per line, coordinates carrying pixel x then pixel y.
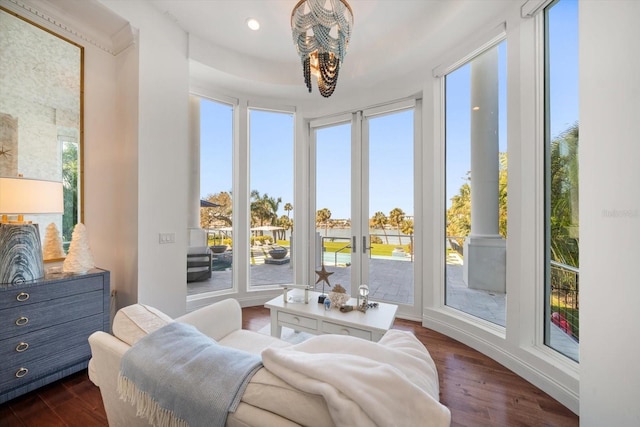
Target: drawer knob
{"type": "Point", "coordinates": [22, 372]}
{"type": "Point", "coordinates": [22, 347]}
{"type": "Point", "coordinates": [21, 321]}
{"type": "Point", "coordinates": [297, 319]}
{"type": "Point", "coordinates": [345, 331]}
{"type": "Point", "coordinates": [22, 296]}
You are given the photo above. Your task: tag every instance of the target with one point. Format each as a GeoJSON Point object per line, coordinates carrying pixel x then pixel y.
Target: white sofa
{"type": "Point", "coordinates": [267, 400]}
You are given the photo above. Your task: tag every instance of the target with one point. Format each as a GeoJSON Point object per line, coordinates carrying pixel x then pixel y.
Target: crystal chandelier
{"type": "Point", "coordinates": [321, 36]}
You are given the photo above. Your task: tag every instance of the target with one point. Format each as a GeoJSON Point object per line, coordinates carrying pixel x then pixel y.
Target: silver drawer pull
{"type": "Point", "coordinates": [22, 372]}
{"type": "Point", "coordinates": [22, 296]}
{"type": "Point", "coordinates": [23, 346]}
{"type": "Point", "coordinates": [21, 321]}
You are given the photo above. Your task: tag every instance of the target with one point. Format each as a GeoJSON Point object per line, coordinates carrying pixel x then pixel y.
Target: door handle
{"type": "Point", "coordinates": [364, 245]}
{"type": "Point", "coordinates": [353, 245]}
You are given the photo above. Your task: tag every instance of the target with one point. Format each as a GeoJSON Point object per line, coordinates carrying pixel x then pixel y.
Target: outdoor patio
{"type": "Point", "coordinates": [398, 288]}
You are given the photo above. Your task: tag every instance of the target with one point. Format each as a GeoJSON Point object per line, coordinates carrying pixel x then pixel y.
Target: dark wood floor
{"type": "Point", "coordinates": [477, 390]}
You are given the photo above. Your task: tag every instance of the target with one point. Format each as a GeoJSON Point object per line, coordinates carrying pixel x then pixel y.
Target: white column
{"type": "Point", "coordinates": [484, 144]}
{"type": "Point", "coordinates": [485, 250]}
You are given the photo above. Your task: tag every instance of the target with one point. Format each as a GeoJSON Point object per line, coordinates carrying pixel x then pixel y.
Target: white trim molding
{"type": "Point", "coordinates": [45, 16]}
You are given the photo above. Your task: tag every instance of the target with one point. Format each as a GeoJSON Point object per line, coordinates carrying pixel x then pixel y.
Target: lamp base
{"type": "Point", "coordinates": [20, 253]}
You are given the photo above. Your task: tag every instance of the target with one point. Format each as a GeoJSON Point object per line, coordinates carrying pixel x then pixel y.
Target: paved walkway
{"type": "Point", "coordinates": [397, 277]}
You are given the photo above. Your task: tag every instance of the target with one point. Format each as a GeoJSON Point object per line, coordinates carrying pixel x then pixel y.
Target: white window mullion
{"type": "Point", "coordinates": [360, 198]}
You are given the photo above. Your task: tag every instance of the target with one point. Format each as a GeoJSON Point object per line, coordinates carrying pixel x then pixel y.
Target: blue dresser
{"type": "Point", "coordinates": [45, 326]}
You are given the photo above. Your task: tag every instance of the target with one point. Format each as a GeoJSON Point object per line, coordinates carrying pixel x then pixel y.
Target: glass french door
{"type": "Point", "coordinates": [332, 233]}
{"type": "Point", "coordinates": [364, 203]}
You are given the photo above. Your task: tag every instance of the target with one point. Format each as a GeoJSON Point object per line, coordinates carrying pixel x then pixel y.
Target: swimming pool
{"type": "Point", "coordinates": [344, 258]}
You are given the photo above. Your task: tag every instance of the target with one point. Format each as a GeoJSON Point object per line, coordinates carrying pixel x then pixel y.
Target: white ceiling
{"type": "Point", "coordinates": [392, 43]}
{"type": "Point", "coordinates": [394, 46]}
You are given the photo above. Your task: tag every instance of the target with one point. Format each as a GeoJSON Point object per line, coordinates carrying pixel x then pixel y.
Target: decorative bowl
{"type": "Point", "coordinates": [278, 253]}
{"type": "Point", "coordinates": [338, 299]}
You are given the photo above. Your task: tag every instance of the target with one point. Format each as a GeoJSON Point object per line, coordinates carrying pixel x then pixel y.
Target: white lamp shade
{"type": "Point", "coordinates": [30, 196]}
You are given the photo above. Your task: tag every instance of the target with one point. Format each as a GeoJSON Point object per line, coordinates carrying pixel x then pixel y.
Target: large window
{"type": "Point", "coordinates": [271, 198]}
{"type": "Point", "coordinates": [216, 203]}
{"type": "Point", "coordinates": [562, 277]}
{"type": "Point", "coordinates": [476, 186]}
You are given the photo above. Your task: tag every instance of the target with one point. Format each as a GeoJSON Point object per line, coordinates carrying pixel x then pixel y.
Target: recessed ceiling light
{"type": "Point", "coordinates": [253, 24]}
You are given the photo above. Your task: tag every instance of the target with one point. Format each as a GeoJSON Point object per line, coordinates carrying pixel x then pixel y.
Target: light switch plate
{"type": "Point", "coordinates": [167, 238]}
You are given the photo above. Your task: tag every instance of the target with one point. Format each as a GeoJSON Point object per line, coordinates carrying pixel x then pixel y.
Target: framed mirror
{"type": "Point", "coordinates": [41, 119]}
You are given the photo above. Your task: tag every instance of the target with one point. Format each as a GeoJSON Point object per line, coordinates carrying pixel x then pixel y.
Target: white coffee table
{"type": "Point", "coordinates": [314, 319]}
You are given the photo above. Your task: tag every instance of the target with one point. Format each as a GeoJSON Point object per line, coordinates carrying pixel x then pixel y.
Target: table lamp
{"type": "Point", "coordinates": [20, 248]}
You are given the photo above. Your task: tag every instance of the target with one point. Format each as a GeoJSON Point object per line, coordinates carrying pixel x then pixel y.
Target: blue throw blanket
{"type": "Point", "coordinates": [177, 376]}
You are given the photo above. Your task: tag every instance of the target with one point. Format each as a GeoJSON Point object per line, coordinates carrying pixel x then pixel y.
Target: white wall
{"type": "Point", "coordinates": [162, 154]}
{"type": "Point", "coordinates": [609, 213]}
{"type": "Point", "coordinates": [102, 198]}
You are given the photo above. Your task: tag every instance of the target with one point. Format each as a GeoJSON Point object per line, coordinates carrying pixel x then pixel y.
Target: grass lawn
{"type": "Point", "coordinates": [379, 249]}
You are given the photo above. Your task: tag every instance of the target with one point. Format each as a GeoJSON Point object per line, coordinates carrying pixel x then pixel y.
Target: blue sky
{"type": "Point", "coordinates": [271, 159]}
{"type": "Point", "coordinates": [563, 60]}
{"type": "Point", "coordinates": [390, 166]}
{"type": "Point", "coordinates": [271, 137]}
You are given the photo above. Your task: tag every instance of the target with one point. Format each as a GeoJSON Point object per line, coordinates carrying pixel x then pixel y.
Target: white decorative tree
{"type": "Point", "coordinates": [52, 243]}
{"type": "Point", "coordinates": [79, 258]}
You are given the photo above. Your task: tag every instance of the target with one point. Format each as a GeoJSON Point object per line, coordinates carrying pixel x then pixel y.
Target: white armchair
{"type": "Point", "coordinates": [221, 321]}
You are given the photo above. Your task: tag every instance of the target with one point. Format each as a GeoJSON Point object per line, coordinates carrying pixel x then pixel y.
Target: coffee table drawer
{"type": "Point", "coordinates": [334, 328]}
{"type": "Point", "coordinates": [297, 320]}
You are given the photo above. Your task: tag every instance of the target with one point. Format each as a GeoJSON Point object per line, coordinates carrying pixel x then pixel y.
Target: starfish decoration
{"type": "Point", "coordinates": [323, 276]}
{"type": "Point", "coordinates": [5, 152]}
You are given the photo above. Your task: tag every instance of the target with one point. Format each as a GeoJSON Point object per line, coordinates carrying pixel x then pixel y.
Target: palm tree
{"type": "Point", "coordinates": [407, 228]}
{"type": "Point", "coordinates": [563, 209]}
{"type": "Point", "coordinates": [379, 220]}
{"type": "Point", "coordinates": [459, 214]}
{"type": "Point", "coordinates": [264, 208]}
{"type": "Point", "coordinates": [70, 188]}
{"type": "Point", "coordinates": [288, 207]}
{"type": "Point", "coordinates": [395, 218]}
{"type": "Point", "coordinates": [502, 195]}
{"type": "Point", "coordinates": [274, 205]}
{"type": "Point", "coordinates": [286, 223]}
{"type": "Point", "coordinates": [322, 217]}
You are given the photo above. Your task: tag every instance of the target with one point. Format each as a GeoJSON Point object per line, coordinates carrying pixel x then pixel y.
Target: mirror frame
{"type": "Point", "coordinates": [73, 206]}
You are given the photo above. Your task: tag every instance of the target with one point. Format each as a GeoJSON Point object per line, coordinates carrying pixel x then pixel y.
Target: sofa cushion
{"type": "Point", "coordinates": [270, 393]}
{"type": "Point", "coordinates": [135, 321]}
{"type": "Point", "coordinates": [198, 250]}
{"type": "Point", "coordinates": [251, 342]}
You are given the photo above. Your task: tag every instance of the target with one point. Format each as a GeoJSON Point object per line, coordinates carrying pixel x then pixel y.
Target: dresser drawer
{"type": "Point", "coordinates": [334, 328]}
{"type": "Point", "coordinates": [43, 342]}
{"type": "Point", "coordinates": [296, 320]}
{"type": "Point", "coordinates": [15, 374]}
{"type": "Point", "coordinates": [20, 296]}
{"type": "Point", "coordinates": [32, 317]}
